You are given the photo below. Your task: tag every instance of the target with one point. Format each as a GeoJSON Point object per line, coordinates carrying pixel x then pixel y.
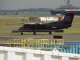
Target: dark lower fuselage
{"type": "Point", "coordinates": [44, 27]}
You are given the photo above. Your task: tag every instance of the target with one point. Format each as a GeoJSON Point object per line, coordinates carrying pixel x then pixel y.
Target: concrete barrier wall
{"type": "Point", "coordinates": [9, 53]}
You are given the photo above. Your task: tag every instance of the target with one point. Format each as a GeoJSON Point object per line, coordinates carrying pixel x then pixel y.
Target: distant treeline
{"type": "Point", "coordinates": [26, 11]}
{"type": "Point", "coordinates": [39, 11]}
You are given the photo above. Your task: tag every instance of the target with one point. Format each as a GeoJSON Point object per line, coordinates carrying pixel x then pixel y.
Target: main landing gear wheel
{"type": "Point", "coordinates": [34, 33]}
{"type": "Point", "coordinates": [50, 32]}
{"type": "Point", "coordinates": [21, 33]}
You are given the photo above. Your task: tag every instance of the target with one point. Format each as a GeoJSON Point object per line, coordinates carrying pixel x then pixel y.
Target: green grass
{"type": "Point", "coordinates": [5, 31]}
{"type": "Point", "coordinates": [72, 31]}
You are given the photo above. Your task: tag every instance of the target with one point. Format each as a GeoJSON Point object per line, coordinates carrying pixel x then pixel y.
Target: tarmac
{"type": "Point", "coordinates": [66, 37]}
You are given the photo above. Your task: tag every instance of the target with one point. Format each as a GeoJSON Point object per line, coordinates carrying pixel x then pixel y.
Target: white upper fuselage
{"type": "Point", "coordinates": [48, 18]}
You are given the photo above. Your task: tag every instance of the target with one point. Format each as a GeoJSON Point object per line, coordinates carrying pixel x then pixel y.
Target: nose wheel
{"type": "Point", "coordinates": [34, 33]}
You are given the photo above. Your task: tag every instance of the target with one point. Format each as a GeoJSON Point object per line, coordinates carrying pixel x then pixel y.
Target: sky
{"type": "Point", "coordinates": [25, 4]}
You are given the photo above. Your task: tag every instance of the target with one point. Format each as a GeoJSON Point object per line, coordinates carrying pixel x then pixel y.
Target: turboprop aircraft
{"type": "Point", "coordinates": [48, 27]}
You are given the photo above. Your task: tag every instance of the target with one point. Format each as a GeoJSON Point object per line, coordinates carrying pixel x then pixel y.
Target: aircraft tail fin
{"type": "Point", "coordinates": [69, 17]}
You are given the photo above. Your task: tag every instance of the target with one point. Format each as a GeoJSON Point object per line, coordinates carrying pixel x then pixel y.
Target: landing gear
{"type": "Point", "coordinates": [21, 33]}
{"type": "Point", "coordinates": [34, 33]}
{"type": "Point", "coordinates": [50, 32]}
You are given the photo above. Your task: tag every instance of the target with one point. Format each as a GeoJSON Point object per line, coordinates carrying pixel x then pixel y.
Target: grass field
{"type": "Point", "coordinates": [9, 22]}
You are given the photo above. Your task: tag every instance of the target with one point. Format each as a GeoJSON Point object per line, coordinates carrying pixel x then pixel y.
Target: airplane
{"type": "Point", "coordinates": [48, 27]}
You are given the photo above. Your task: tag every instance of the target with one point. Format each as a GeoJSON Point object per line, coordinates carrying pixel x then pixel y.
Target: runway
{"type": "Point", "coordinates": [66, 37]}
